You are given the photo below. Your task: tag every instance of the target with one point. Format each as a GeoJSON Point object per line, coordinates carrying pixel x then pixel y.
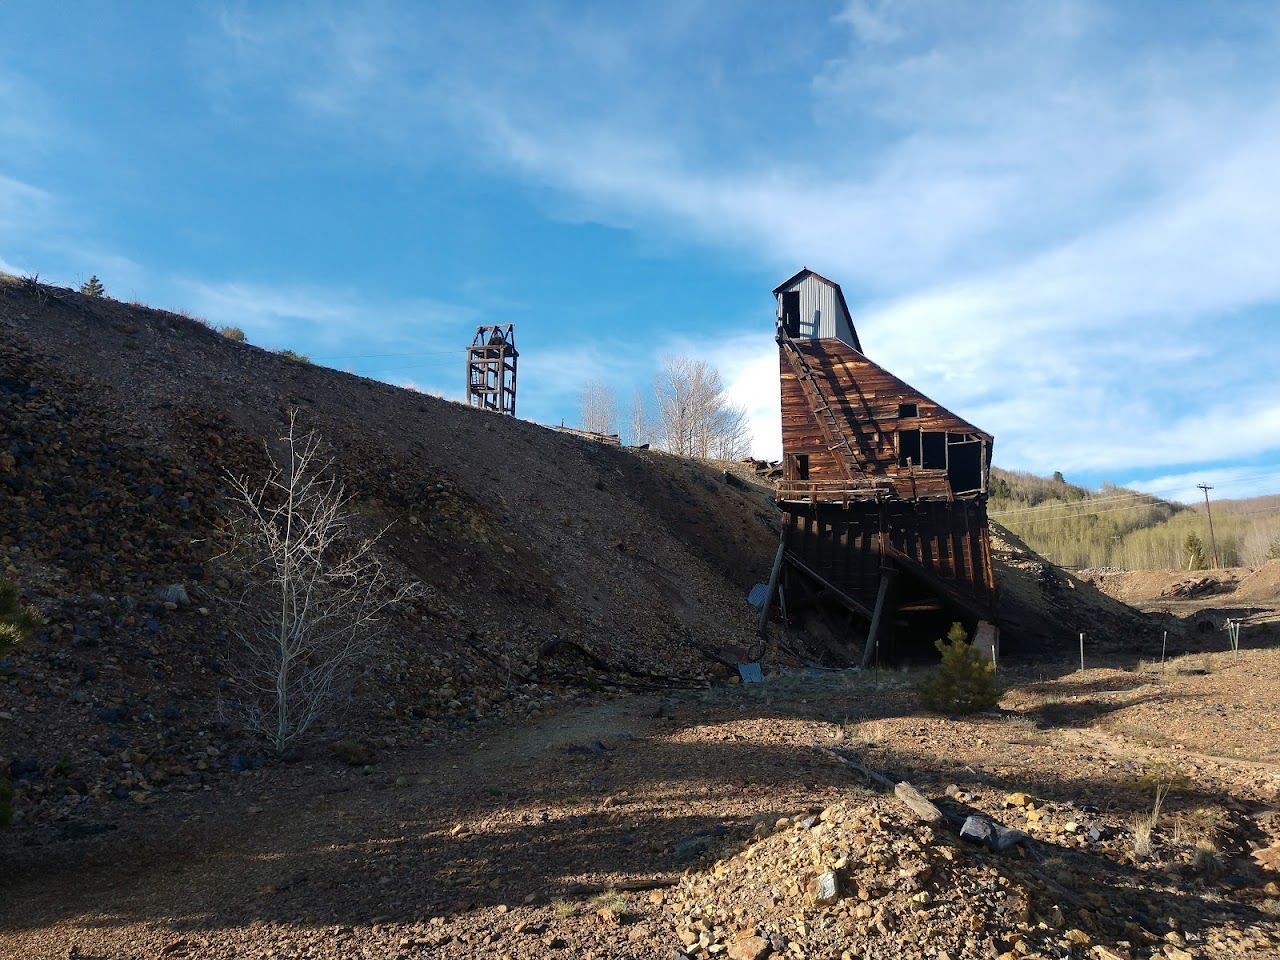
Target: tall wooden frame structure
{"type": "Point", "coordinates": [883, 491]}
{"type": "Point", "coordinates": [491, 369]}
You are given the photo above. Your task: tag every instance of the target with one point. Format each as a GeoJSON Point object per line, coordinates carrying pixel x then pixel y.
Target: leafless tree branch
{"type": "Point", "coordinates": [314, 596]}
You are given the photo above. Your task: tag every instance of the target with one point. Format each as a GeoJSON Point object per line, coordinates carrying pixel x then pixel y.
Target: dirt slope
{"type": "Point", "coordinates": [118, 424]}
{"type": "Point", "coordinates": [1043, 609]}
{"type": "Point", "coordinates": [491, 848]}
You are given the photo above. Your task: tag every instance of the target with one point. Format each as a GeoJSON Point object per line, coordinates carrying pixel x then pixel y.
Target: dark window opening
{"type": "Point", "coordinates": [965, 468]}
{"type": "Point", "coordinates": [906, 410]}
{"type": "Point", "coordinates": [791, 312]}
{"type": "Point", "coordinates": [933, 449]}
{"type": "Point", "coordinates": [908, 448]}
{"type": "Point", "coordinates": [802, 466]}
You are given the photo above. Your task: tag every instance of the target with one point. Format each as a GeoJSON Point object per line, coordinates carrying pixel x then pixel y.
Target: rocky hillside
{"type": "Point", "coordinates": [549, 563]}
{"type": "Point", "coordinates": [120, 423]}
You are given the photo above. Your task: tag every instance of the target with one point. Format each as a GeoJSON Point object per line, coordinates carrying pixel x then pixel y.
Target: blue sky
{"type": "Point", "coordinates": [1060, 219]}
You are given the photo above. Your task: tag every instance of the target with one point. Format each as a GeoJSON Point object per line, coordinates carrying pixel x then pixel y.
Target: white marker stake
{"type": "Point", "coordinates": [1082, 653]}
{"type": "Point", "coordinates": [1164, 645]}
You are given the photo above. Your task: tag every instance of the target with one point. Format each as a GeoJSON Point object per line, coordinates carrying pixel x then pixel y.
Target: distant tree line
{"type": "Point", "coordinates": [1118, 527]}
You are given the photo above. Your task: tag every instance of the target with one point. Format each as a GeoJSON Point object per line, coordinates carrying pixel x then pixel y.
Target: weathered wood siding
{"type": "Point", "coordinates": [866, 398]}
{"type": "Point", "coordinates": [949, 541]}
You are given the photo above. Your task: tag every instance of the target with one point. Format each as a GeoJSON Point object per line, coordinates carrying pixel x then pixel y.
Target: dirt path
{"type": "Point", "coordinates": [601, 794]}
{"type": "Point", "coordinates": [474, 850]}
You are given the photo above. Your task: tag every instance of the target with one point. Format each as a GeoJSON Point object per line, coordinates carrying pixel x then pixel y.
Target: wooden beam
{"type": "Point", "coordinates": [944, 587]}
{"type": "Point", "coordinates": [878, 617]}
{"type": "Point", "coordinates": [919, 804]}
{"type": "Point", "coordinates": [774, 573]}
{"type": "Point", "coordinates": [844, 598]}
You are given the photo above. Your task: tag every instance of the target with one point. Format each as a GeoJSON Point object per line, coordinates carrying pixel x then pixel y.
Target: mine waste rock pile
{"type": "Point", "coordinates": [548, 565]}
{"type": "Point", "coordinates": [866, 880]}
{"type": "Point", "coordinates": [1040, 604]}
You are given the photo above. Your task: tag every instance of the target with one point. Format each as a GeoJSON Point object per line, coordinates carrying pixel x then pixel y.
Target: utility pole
{"type": "Point", "coordinates": [1213, 543]}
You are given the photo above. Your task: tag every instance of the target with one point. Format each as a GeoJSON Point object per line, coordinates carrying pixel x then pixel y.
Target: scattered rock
{"type": "Point", "coordinates": [749, 947]}
{"type": "Point", "coordinates": [825, 888]}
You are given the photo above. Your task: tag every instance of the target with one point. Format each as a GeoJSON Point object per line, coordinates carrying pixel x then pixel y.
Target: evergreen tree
{"type": "Point", "coordinates": [1193, 549]}
{"type": "Point", "coordinates": [17, 622]}
{"type": "Point", "coordinates": [964, 682]}
{"type": "Point", "coordinates": [93, 287]}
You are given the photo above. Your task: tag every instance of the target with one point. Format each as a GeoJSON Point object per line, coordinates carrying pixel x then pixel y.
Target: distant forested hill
{"type": "Point", "coordinates": [1115, 526]}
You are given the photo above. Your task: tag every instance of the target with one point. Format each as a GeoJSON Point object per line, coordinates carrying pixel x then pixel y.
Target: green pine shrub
{"type": "Point", "coordinates": [17, 622]}
{"type": "Point", "coordinates": [292, 355]}
{"type": "Point", "coordinates": [232, 333]}
{"type": "Point", "coordinates": [93, 287]}
{"type": "Point", "coordinates": [1193, 550]}
{"type": "Point", "coordinates": [964, 682]}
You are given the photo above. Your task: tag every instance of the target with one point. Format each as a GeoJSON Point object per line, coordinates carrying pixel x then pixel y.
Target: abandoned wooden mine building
{"type": "Point", "coordinates": [883, 491]}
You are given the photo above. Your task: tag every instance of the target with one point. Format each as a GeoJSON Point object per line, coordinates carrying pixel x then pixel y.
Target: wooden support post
{"type": "Point", "coordinates": [878, 617]}
{"type": "Point", "coordinates": [774, 574]}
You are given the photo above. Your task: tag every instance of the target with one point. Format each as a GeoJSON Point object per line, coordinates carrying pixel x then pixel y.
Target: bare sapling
{"type": "Point", "coordinates": [313, 596]}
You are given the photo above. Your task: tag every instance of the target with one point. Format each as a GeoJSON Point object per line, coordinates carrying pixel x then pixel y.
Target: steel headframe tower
{"type": "Point", "coordinates": [491, 369]}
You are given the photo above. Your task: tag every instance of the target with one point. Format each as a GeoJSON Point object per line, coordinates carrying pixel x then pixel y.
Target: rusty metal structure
{"type": "Point", "coordinates": [883, 491]}
{"type": "Point", "coordinates": [491, 369]}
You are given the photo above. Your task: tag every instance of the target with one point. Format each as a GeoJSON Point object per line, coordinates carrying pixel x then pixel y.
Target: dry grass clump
{"type": "Point", "coordinates": [17, 620]}
{"type": "Point", "coordinates": [1144, 826]}
{"type": "Point", "coordinates": [609, 900]}
{"type": "Point", "coordinates": [1207, 860]}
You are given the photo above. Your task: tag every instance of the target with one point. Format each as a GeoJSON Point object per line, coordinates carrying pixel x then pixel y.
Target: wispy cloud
{"type": "Point", "coordinates": [1233, 482]}
{"type": "Point", "coordinates": [327, 318]}
{"type": "Point", "coordinates": [20, 204]}
{"type": "Point", "coordinates": [1060, 219]}
{"type": "Point", "coordinates": [28, 121]}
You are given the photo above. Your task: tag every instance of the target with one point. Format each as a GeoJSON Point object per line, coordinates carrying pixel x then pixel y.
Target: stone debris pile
{"type": "Point", "coordinates": [863, 880]}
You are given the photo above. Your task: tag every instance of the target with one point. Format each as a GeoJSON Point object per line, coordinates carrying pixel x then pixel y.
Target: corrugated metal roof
{"type": "Point", "coordinates": [849, 335]}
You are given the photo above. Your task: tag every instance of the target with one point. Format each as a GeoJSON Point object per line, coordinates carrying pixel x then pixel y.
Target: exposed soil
{"type": "Point", "coordinates": [1201, 601]}
{"type": "Point", "coordinates": [484, 848]}
{"type": "Point", "coordinates": [546, 562]}
{"type": "Point", "coordinates": [120, 424]}
{"type": "Point", "coordinates": [551, 719]}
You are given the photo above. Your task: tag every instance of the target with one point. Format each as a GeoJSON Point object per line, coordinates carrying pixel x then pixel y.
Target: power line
{"type": "Point", "coordinates": [1047, 506]}
{"type": "Point", "coordinates": [1059, 505]}
{"type": "Point", "coordinates": [1058, 518]}
{"type": "Point", "coordinates": [1213, 541]}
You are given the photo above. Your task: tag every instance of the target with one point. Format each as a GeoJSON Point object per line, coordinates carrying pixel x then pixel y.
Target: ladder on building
{"type": "Point", "coordinates": [828, 420]}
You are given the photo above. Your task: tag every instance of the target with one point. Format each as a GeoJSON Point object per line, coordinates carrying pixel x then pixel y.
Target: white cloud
{"type": "Point", "coordinates": [20, 205]}
{"type": "Point", "coordinates": [1226, 482]}
{"type": "Point", "coordinates": [282, 316]}
{"type": "Point", "coordinates": [28, 121]}
{"type": "Point", "coordinates": [1058, 219]}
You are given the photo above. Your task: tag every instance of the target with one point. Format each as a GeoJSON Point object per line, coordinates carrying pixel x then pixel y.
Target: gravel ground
{"type": "Point", "coordinates": [524, 841]}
